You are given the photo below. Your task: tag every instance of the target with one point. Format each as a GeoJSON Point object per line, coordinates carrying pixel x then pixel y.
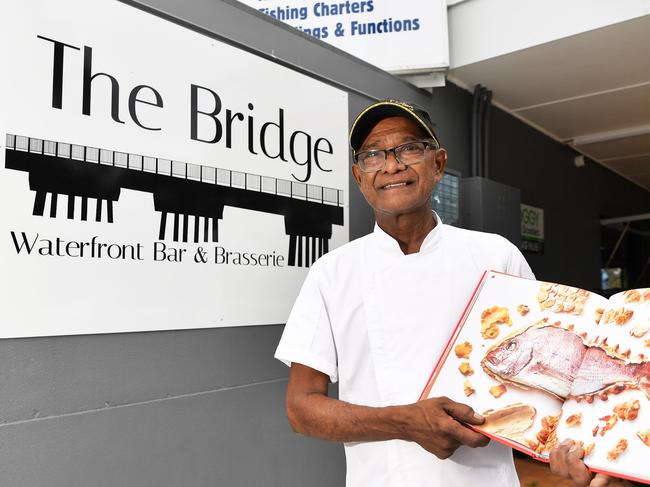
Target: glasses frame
{"type": "Point", "coordinates": [428, 144]}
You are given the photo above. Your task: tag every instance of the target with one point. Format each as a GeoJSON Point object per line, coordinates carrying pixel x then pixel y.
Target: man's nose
{"type": "Point", "coordinates": [392, 164]}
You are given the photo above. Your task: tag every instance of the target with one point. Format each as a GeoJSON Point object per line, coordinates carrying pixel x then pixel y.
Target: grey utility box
{"type": "Point", "coordinates": [491, 207]}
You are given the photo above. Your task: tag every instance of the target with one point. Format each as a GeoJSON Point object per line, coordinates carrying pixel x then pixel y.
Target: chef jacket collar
{"type": "Point", "coordinates": [389, 244]}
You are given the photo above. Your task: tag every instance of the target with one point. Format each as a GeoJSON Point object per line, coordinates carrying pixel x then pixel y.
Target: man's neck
{"type": "Point", "coordinates": [409, 230]}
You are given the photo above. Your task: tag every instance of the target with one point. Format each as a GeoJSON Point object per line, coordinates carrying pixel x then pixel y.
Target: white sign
{"type": "Point", "coordinates": [532, 228]}
{"type": "Point", "coordinates": [409, 35]}
{"type": "Point", "coordinates": [148, 183]}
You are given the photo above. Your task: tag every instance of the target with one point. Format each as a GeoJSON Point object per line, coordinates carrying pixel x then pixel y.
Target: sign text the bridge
{"type": "Point", "coordinates": [210, 121]}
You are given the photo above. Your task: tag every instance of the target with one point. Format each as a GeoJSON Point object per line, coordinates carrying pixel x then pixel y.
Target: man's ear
{"type": "Point", "coordinates": [356, 174]}
{"type": "Point", "coordinates": [441, 163]}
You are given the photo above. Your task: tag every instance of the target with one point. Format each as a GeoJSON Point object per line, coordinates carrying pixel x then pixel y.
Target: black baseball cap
{"type": "Point", "coordinates": [376, 112]}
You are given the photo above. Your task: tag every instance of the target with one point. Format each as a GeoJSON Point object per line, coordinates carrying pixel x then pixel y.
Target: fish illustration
{"type": "Point", "coordinates": [557, 361]}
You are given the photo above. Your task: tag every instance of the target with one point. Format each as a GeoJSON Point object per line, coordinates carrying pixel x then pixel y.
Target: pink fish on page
{"type": "Point", "coordinates": [557, 361]}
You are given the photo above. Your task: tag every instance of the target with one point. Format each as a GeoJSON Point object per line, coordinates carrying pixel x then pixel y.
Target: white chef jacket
{"type": "Point", "coordinates": [376, 321]}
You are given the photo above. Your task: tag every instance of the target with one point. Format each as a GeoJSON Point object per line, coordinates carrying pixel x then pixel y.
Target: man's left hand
{"type": "Point", "coordinates": [566, 462]}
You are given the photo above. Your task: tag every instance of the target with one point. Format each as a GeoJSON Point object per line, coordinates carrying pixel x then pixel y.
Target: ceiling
{"type": "Point", "coordinates": [590, 90]}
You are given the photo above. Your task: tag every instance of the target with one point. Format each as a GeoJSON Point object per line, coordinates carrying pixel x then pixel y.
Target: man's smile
{"type": "Point", "coordinates": [396, 184]}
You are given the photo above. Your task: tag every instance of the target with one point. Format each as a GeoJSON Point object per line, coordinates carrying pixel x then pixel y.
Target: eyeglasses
{"type": "Point", "coordinates": [407, 154]}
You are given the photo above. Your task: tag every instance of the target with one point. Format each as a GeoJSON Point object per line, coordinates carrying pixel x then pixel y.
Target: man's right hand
{"type": "Point", "coordinates": [437, 426]}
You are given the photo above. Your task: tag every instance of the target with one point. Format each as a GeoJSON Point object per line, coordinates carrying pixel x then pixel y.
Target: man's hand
{"type": "Point", "coordinates": [436, 425]}
{"type": "Point", "coordinates": [566, 462]}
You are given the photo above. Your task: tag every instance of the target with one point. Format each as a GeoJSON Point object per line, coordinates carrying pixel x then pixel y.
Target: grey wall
{"type": "Point", "coordinates": [205, 407]}
{"type": "Point", "coordinates": [191, 408]}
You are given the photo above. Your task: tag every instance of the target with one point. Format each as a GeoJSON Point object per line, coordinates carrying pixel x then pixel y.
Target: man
{"type": "Point", "coordinates": [376, 313]}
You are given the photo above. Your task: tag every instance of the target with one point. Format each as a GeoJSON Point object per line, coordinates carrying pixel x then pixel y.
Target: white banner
{"type": "Point", "coordinates": [155, 178]}
{"type": "Point", "coordinates": [409, 35]}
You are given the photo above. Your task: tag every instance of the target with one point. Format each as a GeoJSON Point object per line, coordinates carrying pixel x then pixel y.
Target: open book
{"type": "Point", "coordinates": [545, 362]}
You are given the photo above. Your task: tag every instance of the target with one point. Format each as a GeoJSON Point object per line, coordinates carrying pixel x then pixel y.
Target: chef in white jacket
{"type": "Point", "coordinates": [376, 313]}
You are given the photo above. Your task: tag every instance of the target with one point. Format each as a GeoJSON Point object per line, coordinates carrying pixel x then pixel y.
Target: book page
{"type": "Point", "coordinates": [511, 359]}
{"type": "Point", "coordinates": [608, 409]}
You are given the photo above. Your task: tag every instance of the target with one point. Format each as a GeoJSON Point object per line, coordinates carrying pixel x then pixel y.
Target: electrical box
{"type": "Point", "coordinates": [489, 206]}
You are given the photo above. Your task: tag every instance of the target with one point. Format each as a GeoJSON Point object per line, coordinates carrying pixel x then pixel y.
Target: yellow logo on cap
{"type": "Point", "coordinates": [401, 103]}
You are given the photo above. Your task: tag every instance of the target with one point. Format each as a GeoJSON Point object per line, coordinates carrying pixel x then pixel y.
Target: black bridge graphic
{"type": "Point", "coordinates": [182, 192]}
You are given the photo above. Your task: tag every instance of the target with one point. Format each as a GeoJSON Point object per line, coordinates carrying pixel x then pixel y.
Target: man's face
{"type": "Point", "coordinates": [399, 189]}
